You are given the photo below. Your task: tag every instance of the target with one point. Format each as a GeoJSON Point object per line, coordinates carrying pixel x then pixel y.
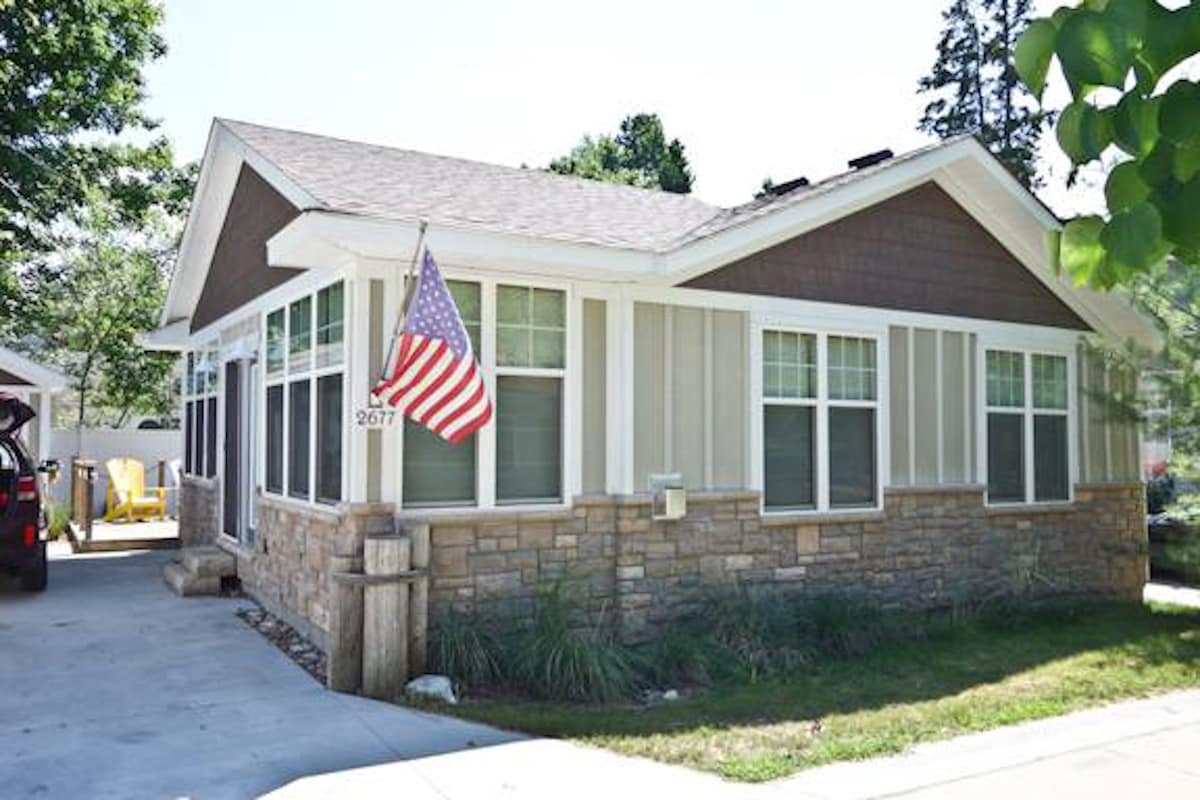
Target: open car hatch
{"type": "Point", "coordinates": [13, 414]}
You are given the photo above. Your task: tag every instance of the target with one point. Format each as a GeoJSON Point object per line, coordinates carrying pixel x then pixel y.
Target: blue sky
{"type": "Point", "coordinates": [751, 88]}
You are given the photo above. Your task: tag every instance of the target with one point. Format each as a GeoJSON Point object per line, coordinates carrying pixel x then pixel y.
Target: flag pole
{"type": "Point", "coordinates": [411, 281]}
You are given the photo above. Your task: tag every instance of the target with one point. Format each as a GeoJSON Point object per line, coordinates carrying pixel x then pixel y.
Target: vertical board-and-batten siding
{"type": "Point", "coordinates": [690, 413]}
{"type": "Point", "coordinates": [594, 380]}
{"type": "Point", "coordinates": [932, 406]}
{"type": "Point", "coordinates": [1109, 446]}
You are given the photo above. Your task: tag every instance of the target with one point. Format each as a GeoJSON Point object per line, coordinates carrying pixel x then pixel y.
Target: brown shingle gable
{"type": "Point", "coordinates": [917, 251]}
{"type": "Point", "coordinates": [238, 272]}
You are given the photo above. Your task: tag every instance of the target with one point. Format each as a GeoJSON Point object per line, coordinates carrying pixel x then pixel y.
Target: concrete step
{"type": "Point", "coordinates": [208, 562]}
{"type": "Point", "coordinates": [188, 584]}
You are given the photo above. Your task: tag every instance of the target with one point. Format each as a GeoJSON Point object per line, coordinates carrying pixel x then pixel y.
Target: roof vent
{"type": "Point", "coordinates": [783, 188]}
{"type": "Point", "coordinates": [870, 159]}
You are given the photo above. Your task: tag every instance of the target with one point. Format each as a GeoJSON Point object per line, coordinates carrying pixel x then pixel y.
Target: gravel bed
{"type": "Point", "coordinates": [310, 657]}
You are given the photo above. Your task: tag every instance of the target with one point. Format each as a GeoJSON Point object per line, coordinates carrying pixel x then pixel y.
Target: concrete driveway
{"type": "Point", "coordinates": [112, 687]}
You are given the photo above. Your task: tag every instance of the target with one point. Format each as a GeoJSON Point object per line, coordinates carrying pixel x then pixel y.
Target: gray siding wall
{"type": "Point", "coordinates": [1109, 445]}
{"type": "Point", "coordinates": [932, 394]}
{"type": "Point", "coordinates": [690, 412]}
{"type": "Point", "coordinates": [593, 430]}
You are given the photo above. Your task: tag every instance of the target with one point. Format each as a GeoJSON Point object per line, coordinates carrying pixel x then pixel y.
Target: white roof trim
{"type": "Point", "coordinates": [172, 337]}
{"type": "Point", "coordinates": [39, 376]}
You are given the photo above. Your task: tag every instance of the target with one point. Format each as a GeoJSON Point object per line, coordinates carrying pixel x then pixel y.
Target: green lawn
{"type": "Point", "coordinates": [967, 680]}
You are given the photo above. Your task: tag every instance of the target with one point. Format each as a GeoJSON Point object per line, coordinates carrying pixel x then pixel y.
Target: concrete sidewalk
{"type": "Point", "coordinates": [1139, 748]}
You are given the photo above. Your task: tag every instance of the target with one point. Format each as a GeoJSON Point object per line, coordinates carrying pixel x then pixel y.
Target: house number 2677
{"type": "Point", "coordinates": [375, 417]}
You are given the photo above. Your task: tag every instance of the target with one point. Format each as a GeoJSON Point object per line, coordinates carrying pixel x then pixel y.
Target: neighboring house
{"type": "Point", "coordinates": [871, 384]}
{"type": "Point", "coordinates": [35, 384]}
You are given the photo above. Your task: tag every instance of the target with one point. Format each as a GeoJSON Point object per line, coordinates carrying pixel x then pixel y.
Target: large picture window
{"type": "Point", "coordinates": [819, 428]}
{"type": "Point", "coordinates": [305, 354]}
{"type": "Point", "coordinates": [1028, 452]}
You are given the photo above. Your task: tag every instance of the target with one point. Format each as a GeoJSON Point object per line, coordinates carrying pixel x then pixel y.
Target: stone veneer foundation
{"type": "Point", "coordinates": [926, 548]}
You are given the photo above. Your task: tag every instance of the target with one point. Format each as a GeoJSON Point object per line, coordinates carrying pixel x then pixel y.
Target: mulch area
{"type": "Point", "coordinates": [306, 654]}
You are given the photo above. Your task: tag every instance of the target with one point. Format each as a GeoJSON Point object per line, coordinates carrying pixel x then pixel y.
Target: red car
{"type": "Point", "coordinates": [22, 545]}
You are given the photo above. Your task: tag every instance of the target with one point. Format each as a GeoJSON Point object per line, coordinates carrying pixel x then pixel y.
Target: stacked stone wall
{"type": "Point", "coordinates": [288, 569]}
{"type": "Point", "coordinates": [926, 548]}
{"type": "Point", "coordinates": [199, 511]}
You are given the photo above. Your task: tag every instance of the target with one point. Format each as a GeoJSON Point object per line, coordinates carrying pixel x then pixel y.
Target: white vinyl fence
{"type": "Point", "coordinates": [99, 445]}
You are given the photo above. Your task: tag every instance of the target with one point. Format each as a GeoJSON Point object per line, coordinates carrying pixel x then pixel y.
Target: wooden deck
{"type": "Point", "coordinates": [107, 536]}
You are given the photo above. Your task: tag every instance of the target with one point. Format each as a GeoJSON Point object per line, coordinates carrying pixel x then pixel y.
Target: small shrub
{"type": "Point", "coordinates": [464, 649]}
{"type": "Point", "coordinates": [685, 655]}
{"type": "Point", "coordinates": [58, 517]}
{"type": "Point", "coordinates": [557, 661]}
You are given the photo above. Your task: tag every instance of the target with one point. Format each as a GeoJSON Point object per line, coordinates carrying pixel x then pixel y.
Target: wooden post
{"type": "Point", "coordinates": [345, 670]}
{"type": "Point", "coordinates": [418, 603]}
{"type": "Point", "coordinates": [162, 474]}
{"type": "Point", "coordinates": [385, 617]}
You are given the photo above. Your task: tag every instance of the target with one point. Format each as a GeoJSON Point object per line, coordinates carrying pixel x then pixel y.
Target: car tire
{"type": "Point", "coordinates": [33, 577]}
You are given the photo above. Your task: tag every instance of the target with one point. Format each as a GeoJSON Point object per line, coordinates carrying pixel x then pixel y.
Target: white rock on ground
{"type": "Point", "coordinates": [437, 687]}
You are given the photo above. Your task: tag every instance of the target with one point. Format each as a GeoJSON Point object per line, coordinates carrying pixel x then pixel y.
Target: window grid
{"type": "Point", "coordinates": [1005, 378]}
{"type": "Point", "coordinates": [789, 365]}
{"type": "Point", "coordinates": [851, 368]}
{"type": "Point", "coordinates": [531, 327]}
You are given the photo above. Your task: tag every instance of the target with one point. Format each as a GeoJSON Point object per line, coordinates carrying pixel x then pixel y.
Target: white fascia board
{"type": "Point", "coordinates": [172, 337]}
{"type": "Point", "coordinates": [224, 155]}
{"type": "Point", "coordinates": [40, 376]}
{"type": "Point", "coordinates": [394, 240]}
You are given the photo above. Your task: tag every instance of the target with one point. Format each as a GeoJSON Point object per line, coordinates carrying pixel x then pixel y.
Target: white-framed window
{"type": "Point", "coordinates": [304, 388]}
{"type": "Point", "coordinates": [820, 420]}
{"type": "Point", "coordinates": [1027, 425]}
{"type": "Point", "coordinates": [200, 411]}
{"type": "Point", "coordinates": [519, 334]}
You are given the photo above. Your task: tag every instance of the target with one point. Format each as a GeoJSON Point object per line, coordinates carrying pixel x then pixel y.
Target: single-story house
{"type": "Point", "coordinates": [873, 383]}
{"type": "Point", "coordinates": [34, 384]}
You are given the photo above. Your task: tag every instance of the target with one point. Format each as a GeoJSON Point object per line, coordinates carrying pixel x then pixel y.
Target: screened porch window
{"type": "Point", "coordinates": [305, 347]}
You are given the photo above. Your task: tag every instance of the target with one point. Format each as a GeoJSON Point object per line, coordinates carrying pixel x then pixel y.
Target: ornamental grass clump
{"type": "Point", "coordinates": [464, 649]}
{"type": "Point", "coordinates": [556, 660]}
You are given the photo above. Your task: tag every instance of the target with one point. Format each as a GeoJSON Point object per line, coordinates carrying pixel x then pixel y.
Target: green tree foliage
{"type": "Point", "coordinates": [85, 304]}
{"type": "Point", "coordinates": [976, 89]}
{"type": "Point", "coordinates": [1117, 57]}
{"type": "Point", "coordinates": [70, 82]}
{"type": "Point", "coordinates": [639, 155]}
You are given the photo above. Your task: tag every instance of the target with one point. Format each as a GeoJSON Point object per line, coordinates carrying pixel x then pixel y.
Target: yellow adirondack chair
{"type": "Point", "coordinates": [127, 493]}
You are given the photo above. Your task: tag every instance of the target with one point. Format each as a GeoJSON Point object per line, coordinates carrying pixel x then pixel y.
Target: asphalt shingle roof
{"type": "Point", "coordinates": [392, 183]}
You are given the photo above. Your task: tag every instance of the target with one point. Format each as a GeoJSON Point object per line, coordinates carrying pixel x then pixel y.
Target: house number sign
{"type": "Point", "coordinates": [376, 417]}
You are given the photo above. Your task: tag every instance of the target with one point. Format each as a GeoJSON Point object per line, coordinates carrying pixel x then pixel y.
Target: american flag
{"type": "Point", "coordinates": [432, 375]}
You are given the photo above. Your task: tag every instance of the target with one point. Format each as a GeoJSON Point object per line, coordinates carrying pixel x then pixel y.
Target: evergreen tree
{"type": "Point", "coordinates": [976, 88]}
{"type": "Point", "coordinates": [639, 155]}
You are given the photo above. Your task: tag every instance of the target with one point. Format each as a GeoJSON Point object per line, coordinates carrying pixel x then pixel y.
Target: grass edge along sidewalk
{"type": "Point", "coordinates": [968, 678]}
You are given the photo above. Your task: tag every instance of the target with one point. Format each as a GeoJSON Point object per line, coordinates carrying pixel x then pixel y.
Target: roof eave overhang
{"type": "Point", "coordinates": [172, 337]}
{"type": "Point", "coordinates": [38, 376]}
{"type": "Point", "coordinates": [313, 239]}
